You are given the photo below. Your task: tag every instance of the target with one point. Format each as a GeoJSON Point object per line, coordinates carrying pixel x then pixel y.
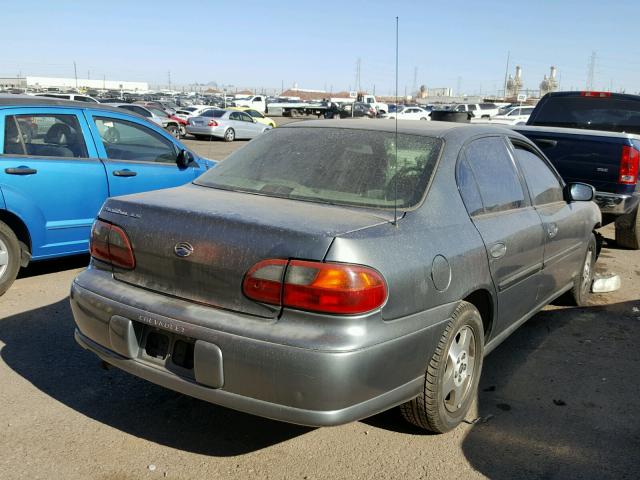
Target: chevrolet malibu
{"type": "Point", "coordinates": [331, 270]}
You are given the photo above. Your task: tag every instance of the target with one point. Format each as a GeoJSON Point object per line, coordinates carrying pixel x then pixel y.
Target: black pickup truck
{"type": "Point", "coordinates": [594, 137]}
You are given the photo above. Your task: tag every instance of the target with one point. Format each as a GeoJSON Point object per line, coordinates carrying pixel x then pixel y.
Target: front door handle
{"type": "Point", "coordinates": [498, 250]}
{"type": "Point", "coordinates": [21, 170]}
{"type": "Point", "coordinates": [124, 173]}
{"type": "Point", "coordinates": [552, 230]}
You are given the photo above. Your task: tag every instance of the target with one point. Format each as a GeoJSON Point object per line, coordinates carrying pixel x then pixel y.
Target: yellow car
{"type": "Point", "coordinates": [260, 118]}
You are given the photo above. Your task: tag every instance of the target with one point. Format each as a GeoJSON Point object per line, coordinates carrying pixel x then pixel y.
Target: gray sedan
{"type": "Point", "coordinates": [225, 124]}
{"type": "Point", "coordinates": [331, 270]}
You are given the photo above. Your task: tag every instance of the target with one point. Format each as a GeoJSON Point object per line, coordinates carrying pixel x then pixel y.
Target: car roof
{"type": "Point", "coordinates": [10, 100]}
{"type": "Point", "coordinates": [428, 129]}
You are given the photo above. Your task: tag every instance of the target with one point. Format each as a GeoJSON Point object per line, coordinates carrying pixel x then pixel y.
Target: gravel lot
{"type": "Point", "coordinates": [557, 400]}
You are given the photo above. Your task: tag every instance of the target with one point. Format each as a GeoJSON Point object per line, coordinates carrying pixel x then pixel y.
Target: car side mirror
{"type": "Point", "coordinates": [580, 192]}
{"type": "Point", "coordinates": [184, 159]}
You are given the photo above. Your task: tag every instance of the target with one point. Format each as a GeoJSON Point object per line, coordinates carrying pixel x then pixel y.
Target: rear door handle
{"type": "Point", "coordinates": [498, 250]}
{"type": "Point", "coordinates": [124, 173]}
{"type": "Point", "coordinates": [22, 170]}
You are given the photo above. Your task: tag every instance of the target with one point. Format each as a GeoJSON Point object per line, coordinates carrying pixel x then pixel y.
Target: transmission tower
{"type": "Point", "coordinates": [591, 71]}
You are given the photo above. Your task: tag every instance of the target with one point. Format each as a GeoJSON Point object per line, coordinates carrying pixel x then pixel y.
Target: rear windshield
{"type": "Point", "coordinates": [331, 165]}
{"type": "Point", "coordinates": [592, 113]}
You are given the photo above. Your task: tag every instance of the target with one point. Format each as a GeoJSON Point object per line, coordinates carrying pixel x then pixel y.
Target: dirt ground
{"type": "Point", "coordinates": [557, 400]}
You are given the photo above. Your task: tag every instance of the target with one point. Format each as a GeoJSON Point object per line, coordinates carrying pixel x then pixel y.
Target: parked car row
{"type": "Point", "coordinates": [284, 261]}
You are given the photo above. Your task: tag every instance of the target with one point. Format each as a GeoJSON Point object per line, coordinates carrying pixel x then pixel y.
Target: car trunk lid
{"type": "Point", "coordinates": [197, 243]}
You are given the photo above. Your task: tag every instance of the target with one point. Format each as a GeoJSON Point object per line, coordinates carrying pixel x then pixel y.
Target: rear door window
{"type": "Point", "coordinates": [496, 175]}
{"type": "Point", "coordinates": [124, 140]}
{"type": "Point", "coordinates": [44, 135]}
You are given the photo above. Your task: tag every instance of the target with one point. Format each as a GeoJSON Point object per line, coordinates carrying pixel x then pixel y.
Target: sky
{"type": "Point", "coordinates": [256, 44]}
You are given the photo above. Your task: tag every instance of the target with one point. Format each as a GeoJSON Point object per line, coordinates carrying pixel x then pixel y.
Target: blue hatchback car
{"type": "Point", "coordinates": [60, 160]}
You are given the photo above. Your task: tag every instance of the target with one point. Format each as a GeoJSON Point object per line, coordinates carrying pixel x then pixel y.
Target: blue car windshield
{"type": "Point", "coordinates": [331, 165]}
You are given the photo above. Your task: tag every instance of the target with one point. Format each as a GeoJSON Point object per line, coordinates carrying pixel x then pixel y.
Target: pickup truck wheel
{"type": "Point", "coordinates": [173, 130]}
{"type": "Point", "coordinates": [581, 291]}
{"type": "Point", "coordinates": [229, 135]}
{"type": "Point", "coordinates": [452, 375]}
{"type": "Point", "coordinates": [628, 230]}
{"type": "Point", "coordinates": [9, 257]}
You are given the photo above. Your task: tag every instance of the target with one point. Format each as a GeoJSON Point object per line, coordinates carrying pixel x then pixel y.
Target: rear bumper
{"type": "Point", "coordinates": [213, 131]}
{"type": "Point", "coordinates": [296, 384]}
{"type": "Point", "coordinates": [617, 204]}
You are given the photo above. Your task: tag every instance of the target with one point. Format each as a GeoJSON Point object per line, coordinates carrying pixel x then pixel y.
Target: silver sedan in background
{"type": "Point", "coordinates": [229, 125]}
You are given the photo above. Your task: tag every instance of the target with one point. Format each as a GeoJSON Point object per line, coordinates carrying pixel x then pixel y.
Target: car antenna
{"type": "Point", "coordinates": [395, 168]}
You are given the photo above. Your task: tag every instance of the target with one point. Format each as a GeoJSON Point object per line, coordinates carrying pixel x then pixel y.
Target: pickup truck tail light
{"type": "Point", "coordinates": [629, 165]}
{"type": "Point", "coordinates": [212, 123]}
{"type": "Point", "coordinates": [110, 243]}
{"type": "Point", "coordinates": [335, 288]}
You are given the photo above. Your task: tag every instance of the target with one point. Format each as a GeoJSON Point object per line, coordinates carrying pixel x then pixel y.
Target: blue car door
{"type": "Point", "coordinates": [51, 177]}
{"type": "Point", "coordinates": [137, 155]}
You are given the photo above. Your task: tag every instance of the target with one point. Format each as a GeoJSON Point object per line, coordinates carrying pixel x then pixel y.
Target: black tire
{"type": "Point", "coordinates": [230, 135]}
{"type": "Point", "coordinates": [628, 230]}
{"type": "Point", "coordinates": [9, 250]}
{"type": "Point", "coordinates": [435, 409]}
{"type": "Point", "coordinates": [173, 130]}
{"type": "Point", "coordinates": [581, 291]}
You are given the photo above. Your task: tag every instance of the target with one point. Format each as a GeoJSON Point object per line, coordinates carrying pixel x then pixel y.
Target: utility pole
{"type": "Point", "coordinates": [591, 70]}
{"type": "Point", "coordinates": [104, 82]}
{"type": "Point", "coordinates": [358, 66]}
{"type": "Point", "coordinates": [75, 73]}
{"type": "Point", "coordinates": [506, 74]}
{"type": "Point", "coordinates": [169, 78]}
{"type": "Point", "coordinates": [415, 79]}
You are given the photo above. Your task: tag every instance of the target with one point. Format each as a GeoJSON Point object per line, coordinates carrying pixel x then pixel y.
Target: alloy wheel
{"type": "Point", "coordinates": [458, 375]}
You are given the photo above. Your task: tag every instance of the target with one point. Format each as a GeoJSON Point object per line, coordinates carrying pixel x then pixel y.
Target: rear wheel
{"type": "Point", "coordinates": [423, 118]}
{"type": "Point", "coordinates": [9, 257]}
{"type": "Point", "coordinates": [628, 230]}
{"type": "Point", "coordinates": [183, 131]}
{"type": "Point", "coordinates": [229, 135]}
{"type": "Point", "coordinates": [452, 375]}
{"type": "Point", "coordinates": [581, 291]}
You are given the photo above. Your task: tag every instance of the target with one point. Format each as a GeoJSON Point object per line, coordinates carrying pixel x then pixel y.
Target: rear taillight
{"type": "Point", "coordinates": [212, 123]}
{"type": "Point", "coordinates": [629, 165]}
{"type": "Point", "coordinates": [596, 94]}
{"type": "Point", "coordinates": [110, 244]}
{"type": "Point", "coordinates": [336, 288]}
